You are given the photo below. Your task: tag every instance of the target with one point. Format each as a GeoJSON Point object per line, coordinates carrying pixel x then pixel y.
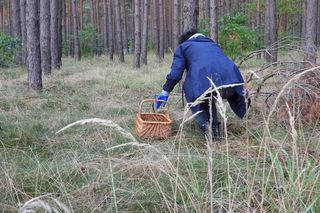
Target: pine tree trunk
{"type": "Point", "coordinates": [132, 24]}
{"type": "Point", "coordinates": [206, 8]}
{"type": "Point", "coordinates": [9, 17]}
{"type": "Point", "coordinates": [60, 13]}
{"type": "Point", "coordinates": [311, 21]}
{"type": "Point", "coordinates": [110, 33]}
{"type": "Point", "coordinates": [105, 25]}
{"type": "Point", "coordinates": [258, 25]}
{"type": "Point", "coordinates": [213, 20]}
{"type": "Point", "coordinates": [16, 25]}
{"type": "Point", "coordinates": [137, 35]}
{"type": "Point", "coordinates": [161, 30]}
{"type": "Point", "coordinates": [33, 45]}
{"type": "Point", "coordinates": [1, 17]}
{"type": "Point", "coordinates": [220, 8]}
{"type": "Point", "coordinates": [267, 28]}
{"type": "Point", "coordinates": [54, 31]}
{"type": "Point", "coordinates": [303, 22]}
{"type": "Point", "coordinates": [16, 22]}
{"type": "Point", "coordinates": [124, 25]}
{"type": "Point", "coordinates": [176, 23]}
{"type": "Point", "coordinates": [151, 25]}
{"type": "Point", "coordinates": [169, 16]}
{"type": "Point", "coordinates": [71, 34]}
{"type": "Point", "coordinates": [45, 36]}
{"type": "Point", "coordinates": [191, 13]}
{"type": "Point", "coordinates": [270, 31]}
{"type": "Point", "coordinates": [93, 23]}
{"type": "Point", "coordinates": [97, 19]}
{"type": "Point", "coordinates": [228, 7]}
{"type": "Point", "coordinates": [118, 31]}
{"type": "Point", "coordinates": [81, 14]}
{"type": "Point", "coordinates": [155, 20]}
{"type": "Point", "coordinates": [76, 39]}
{"type": "Point", "coordinates": [23, 31]}
{"type": "Point", "coordinates": [6, 20]}
{"type": "Point", "coordinates": [273, 32]}
{"type": "Point", "coordinates": [144, 37]}
{"type": "Point", "coordinates": [64, 23]}
{"type": "Point", "coordinates": [318, 25]}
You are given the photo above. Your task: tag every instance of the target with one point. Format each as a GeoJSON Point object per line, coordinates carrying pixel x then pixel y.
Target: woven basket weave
{"type": "Point", "coordinates": [153, 125]}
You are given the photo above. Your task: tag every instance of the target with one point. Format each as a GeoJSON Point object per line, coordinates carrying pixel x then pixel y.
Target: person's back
{"type": "Point", "coordinates": [204, 59]}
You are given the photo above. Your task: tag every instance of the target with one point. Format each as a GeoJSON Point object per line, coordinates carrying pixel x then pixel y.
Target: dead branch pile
{"type": "Point", "coordinates": [265, 82]}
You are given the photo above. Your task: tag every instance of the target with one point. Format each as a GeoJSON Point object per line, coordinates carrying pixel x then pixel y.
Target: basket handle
{"type": "Point", "coordinates": [166, 111]}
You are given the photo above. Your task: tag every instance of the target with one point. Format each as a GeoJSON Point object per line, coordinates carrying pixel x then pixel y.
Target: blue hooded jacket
{"type": "Point", "coordinates": [203, 58]}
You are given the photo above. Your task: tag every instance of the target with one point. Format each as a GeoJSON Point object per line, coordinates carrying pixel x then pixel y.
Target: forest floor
{"type": "Point", "coordinates": [263, 167]}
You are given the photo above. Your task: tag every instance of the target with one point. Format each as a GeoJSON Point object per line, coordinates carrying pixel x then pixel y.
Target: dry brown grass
{"type": "Point", "coordinates": [103, 167]}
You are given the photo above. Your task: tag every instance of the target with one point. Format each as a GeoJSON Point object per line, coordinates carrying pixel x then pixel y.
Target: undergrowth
{"type": "Point", "coordinates": [94, 168]}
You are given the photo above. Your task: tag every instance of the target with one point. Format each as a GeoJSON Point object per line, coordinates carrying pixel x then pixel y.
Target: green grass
{"type": "Point", "coordinates": [75, 167]}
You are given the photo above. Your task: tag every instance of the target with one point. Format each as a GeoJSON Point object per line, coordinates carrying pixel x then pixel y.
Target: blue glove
{"type": "Point", "coordinates": [161, 99]}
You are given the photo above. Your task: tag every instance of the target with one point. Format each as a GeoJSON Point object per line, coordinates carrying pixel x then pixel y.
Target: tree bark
{"type": "Point", "coordinates": [70, 26]}
{"type": "Point", "coordinates": [270, 31]}
{"type": "Point", "coordinates": [311, 21]}
{"type": "Point", "coordinates": [45, 36]}
{"type": "Point", "coordinates": [228, 7]}
{"type": "Point", "coordinates": [132, 24]}
{"type": "Point", "coordinates": [81, 13]}
{"type": "Point", "coordinates": [9, 17]}
{"type": "Point", "coordinates": [98, 22]}
{"type": "Point", "coordinates": [273, 30]}
{"type": "Point", "coordinates": [110, 27]}
{"type": "Point", "coordinates": [258, 25]}
{"type": "Point", "coordinates": [54, 31]}
{"type": "Point", "coordinates": [161, 30]}
{"type": "Point", "coordinates": [191, 13]}
{"type": "Point", "coordinates": [23, 31]}
{"type": "Point", "coordinates": [77, 53]}
{"type": "Point", "coordinates": [93, 23]}
{"type": "Point", "coordinates": [60, 14]}
{"type": "Point", "coordinates": [318, 25]}
{"type": "Point", "coordinates": [33, 45]}
{"type": "Point", "coordinates": [124, 25]}
{"type": "Point", "coordinates": [176, 23]}
{"type": "Point", "coordinates": [6, 18]}
{"type": "Point", "coordinates": [144, 36]}
{"type": "Point", "coordinates": [168, 24]}
{"type": "Point", "coordinates": [16, 26]}
{"type": "Point", "coordinates": [206, 8]}
{"type": "Point", "coordinates": [64, 23]}
{"type": "Point", "coordinates": [1, 17]}
{"type": "Point", "coordinates": [105, 25]}
{"type": "Point", "coordinates": [16, 22]}
{"type": "Point", "coordinates": [155, 20]}
{"type": "Point", "coordinates": [213, 20]}
{"type": "Point", "coordinates": [118, 31]}
{"type": "Point", "coordinates": [137, 35]}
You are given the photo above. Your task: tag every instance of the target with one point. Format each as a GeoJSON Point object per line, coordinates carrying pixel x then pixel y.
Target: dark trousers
{"type": "Point", "coordinates": [203, 118]}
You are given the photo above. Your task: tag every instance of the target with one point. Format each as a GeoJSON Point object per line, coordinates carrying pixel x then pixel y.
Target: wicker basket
{"type": "Point", "coordinates": [153, 125]}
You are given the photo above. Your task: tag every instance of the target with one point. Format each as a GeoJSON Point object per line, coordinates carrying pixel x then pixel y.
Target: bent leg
{"type": "Point", "coordinates": [202, 118]}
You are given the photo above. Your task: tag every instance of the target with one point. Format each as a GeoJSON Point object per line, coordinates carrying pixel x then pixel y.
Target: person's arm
{"type": "Point", "coordinates": [174, 76]}
{"type": "Point", "coordinates": [177, 69]}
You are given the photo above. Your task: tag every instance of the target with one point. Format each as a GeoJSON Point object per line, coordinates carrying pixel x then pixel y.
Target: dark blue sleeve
{"type": "Point", "coordinates": [177, 69]}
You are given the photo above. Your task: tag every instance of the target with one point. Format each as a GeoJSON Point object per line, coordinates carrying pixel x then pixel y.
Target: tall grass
{"type": "Point", "coordinates": [105, 167]}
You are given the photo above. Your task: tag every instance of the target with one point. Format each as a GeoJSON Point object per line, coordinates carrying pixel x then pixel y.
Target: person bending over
{"type": "Point", "coordinates": [202, 58]}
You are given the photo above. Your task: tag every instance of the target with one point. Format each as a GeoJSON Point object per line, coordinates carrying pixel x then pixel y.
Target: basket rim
{"type": "Point", "coordinates": [154, 122]}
